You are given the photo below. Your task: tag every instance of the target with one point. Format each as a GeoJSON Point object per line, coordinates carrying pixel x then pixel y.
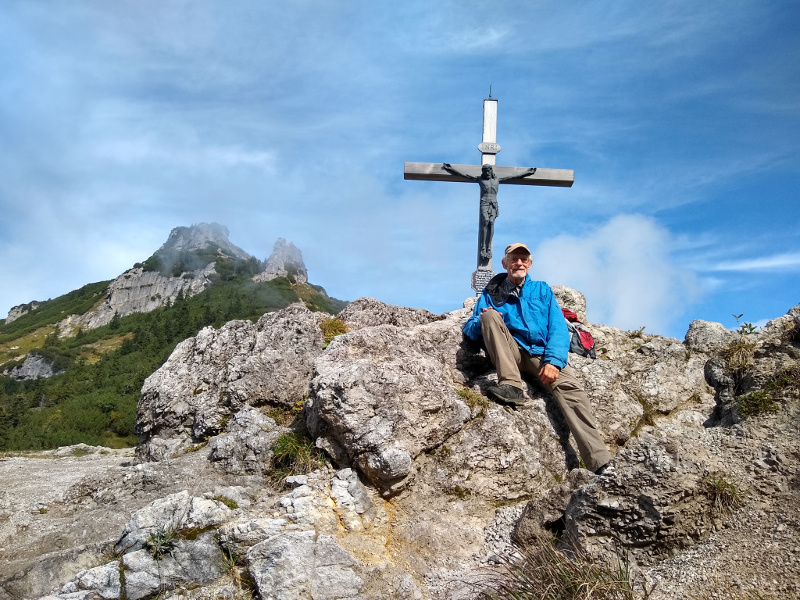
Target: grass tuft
{"type": "Point", "coordinates": [295, 454]}
{"type": "Point", "coordinates": [544, 572]}
{"type": "Point", "coordinates": [725, 495]}
{"type": "Point", "coordinates": [161, 542]}
{"type": "Point", "coordinates": [331, 328]}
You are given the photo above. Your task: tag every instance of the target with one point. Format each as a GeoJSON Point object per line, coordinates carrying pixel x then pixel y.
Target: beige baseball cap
{"type": "Point", "coordinates": [518, 246]}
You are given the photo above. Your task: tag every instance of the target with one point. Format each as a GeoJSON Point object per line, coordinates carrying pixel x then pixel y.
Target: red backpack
{"type": "Point", "coordinates": [581, 341]}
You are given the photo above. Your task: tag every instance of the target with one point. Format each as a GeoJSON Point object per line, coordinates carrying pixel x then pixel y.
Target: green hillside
{"type": "Point", "coordinates": [94, 400]}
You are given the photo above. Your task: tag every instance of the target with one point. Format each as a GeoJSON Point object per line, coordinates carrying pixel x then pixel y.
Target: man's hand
{"type": "Point", "coordinates": [548, 374]}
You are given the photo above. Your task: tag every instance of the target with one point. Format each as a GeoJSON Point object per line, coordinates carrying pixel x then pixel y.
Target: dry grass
{"type": "Point", "coordinates": [543, 572]}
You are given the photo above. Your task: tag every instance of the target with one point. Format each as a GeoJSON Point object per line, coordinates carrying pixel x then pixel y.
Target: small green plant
{"type": "Point", "coordinates": [459, 492]}
{"type": "Point", "coordinates": [544, 572]}
{"type": "Point", "coordinates": [744, 328]}
{"type": "Point", "coordinates": [295, 454]}
{"type": "Point", "coordinates": [474, 400]}
{"type": "Point", "coordinates": [638, 333]}
{"type": "Point", "coordinates": [755, 404]}
{"type": "Point", "coordinates": [195, 447]}
{"type": "Point", "coordinates": [161, 542]}
{"type": "Point", "coordinates": [42, 510]}
{"type": "Point", "coordinates": [723, 493]}
{"type": "Point", "coordinates": [284, 416]}
{"type": "Point", "coordinates": [227, 502]}
{"type": "Point", "coordinates": [331, 328]}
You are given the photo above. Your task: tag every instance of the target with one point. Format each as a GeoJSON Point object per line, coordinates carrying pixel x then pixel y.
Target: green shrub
{"type": "Point", "coordinates": [755, 404]}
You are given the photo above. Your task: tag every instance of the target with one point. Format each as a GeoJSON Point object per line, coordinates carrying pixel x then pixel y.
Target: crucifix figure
{"type": "Point", "coordinates": [488, 182]}
{"type": "Point", "coordinates": [488, 178]}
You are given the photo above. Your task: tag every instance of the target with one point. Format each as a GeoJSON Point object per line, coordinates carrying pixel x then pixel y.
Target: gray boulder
{"type": "Point", "coordinates": [303, 564]}
{"type": "Point", "coordinates": [382, 395]}
{"type": "Point", "coordinates": [246, 446]}
{"type": "Point", "coordinates": [210, 377]}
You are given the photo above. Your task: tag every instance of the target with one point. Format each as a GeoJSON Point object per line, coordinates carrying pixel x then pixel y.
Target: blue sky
{"type": "Point", "coordinates": [121, 120]}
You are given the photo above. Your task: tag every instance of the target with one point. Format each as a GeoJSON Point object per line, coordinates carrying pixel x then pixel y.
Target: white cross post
{"type": "Point", "coordinates": [476, 173]}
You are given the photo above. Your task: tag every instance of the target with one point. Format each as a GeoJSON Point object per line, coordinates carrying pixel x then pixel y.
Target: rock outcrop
{"type": "Point", "coordinates": [33, 367]}
{"type": "Point", "coordinates": [430, 483]}
{"type": "Point", "coordinates": [22, 309]}
{"type": "Point", "coordinates": [211, 377]}
{"type": "Point", "coordinates": [137, 290]}
{"type": "Point", "coordinates": [285, 261]}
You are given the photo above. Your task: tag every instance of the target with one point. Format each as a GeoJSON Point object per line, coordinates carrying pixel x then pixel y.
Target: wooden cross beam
{"type": "Point", "coordinates": [435, 172]}
{"type": "Point", "coordinates": [489, 180]}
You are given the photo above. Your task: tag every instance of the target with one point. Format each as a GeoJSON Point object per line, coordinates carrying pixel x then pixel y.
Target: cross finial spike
{"type": "Point", "coordinates": [490, 90]}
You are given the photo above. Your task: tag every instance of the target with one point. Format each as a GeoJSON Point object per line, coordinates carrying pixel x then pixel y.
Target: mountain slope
{"type": "Point", "coordinates": [108, 337]}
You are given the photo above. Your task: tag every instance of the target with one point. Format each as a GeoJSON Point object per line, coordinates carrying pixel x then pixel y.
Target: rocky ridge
{"type": "Point", "coordinates": [142, 289]}
{"type": "Point", "coordinates": [430, 482]}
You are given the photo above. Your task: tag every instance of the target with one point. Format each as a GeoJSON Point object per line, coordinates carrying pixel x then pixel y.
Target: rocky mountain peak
{"type": "Point", "coordinates": [286, 260]}
{"type": "Point", "coordinates": [200, 237]}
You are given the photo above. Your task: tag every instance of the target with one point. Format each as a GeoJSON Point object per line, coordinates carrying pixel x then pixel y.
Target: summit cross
{"type": "Point", "coordinates": [488, 177]}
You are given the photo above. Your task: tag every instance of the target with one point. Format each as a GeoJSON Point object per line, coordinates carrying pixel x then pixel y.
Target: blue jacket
{"type": "Point", "coordinates": [534, 318]}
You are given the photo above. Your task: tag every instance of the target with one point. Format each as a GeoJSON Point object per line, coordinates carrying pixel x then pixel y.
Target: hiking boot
{"type": "Point", "coordinates": [508, 394]}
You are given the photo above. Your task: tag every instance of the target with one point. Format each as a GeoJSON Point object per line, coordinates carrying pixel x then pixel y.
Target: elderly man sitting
{"type": "Point", "coordinates": [524, 330]}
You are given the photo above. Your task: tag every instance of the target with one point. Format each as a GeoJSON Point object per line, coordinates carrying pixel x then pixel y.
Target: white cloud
{"type": "Point", "coordinates": [787, 260]}
{"type": "Point", "coordinates": [625, 271]}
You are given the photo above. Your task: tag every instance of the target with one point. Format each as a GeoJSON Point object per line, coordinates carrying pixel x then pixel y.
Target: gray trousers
{"type": "Point", "coordinates": [510, 362]}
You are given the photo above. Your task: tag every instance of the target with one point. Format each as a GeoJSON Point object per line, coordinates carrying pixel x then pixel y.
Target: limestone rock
{"type": "Point", "coordinates": [33, 367]}
{"type": "Point", "coordinates": [286, 260]}
{"type": "Point", "coordinates": [708, 337]}
{"type": "Point", "coordinates": [137, 290]}
{"type": "Point", "coordinates": [368, 312]}
{"type": "Point", "coordinates": [246, 445]}
{"type": "Point", "coordinates": [382, 395]}
{"type": "Point", "coordinates": [545, 515]}
{"type": "Point", "coordinates": [201, 236]}
{"type": "Point", "coordinates": [303, 565]}
{"type": "Point", "coordinates": [572, 300]}
{"type": "Point", "coordinates": [210, 377]}
{"type": "Point", "coordinates": [432, 477]}
{"type": "Point", "coordinates": [170, 516]}
{"type": "Point", "coordinates": [22, 309]}
{"type": "Point", "coordinates": [652, 503]}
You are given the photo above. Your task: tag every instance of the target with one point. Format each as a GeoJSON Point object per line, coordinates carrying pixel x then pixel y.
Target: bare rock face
{"type": "Point", "coordinates": [368, 312]}
{"type": "Point", "coordinates": [651, 505]}
{"type": "Point", "coordinates": [246, 445]}
{"type": "Point", "coordinates": [22, 309]}
{"type": "Point", "coordinates": [212, 376]}
{"type": "Point", "coordinates": [33, 367]}
{"type": "Point", "coordinates": [383, 395]}
{"type": "Point", "coordinates": [286, 260]}
{"type": "Point", "coordinates": [572, 300]}
{"type": "Point", "coordinates": [137, 290]}
{"type": "Point", "coordinates": [200, 237]}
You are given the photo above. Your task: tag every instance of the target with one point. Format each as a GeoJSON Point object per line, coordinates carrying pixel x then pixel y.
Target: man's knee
{"type": "Point", "coordinates": [491, 318]}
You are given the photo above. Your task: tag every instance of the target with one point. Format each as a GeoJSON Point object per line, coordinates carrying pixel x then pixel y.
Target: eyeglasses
{"type": "Point", "coordinates": [512, 258]}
